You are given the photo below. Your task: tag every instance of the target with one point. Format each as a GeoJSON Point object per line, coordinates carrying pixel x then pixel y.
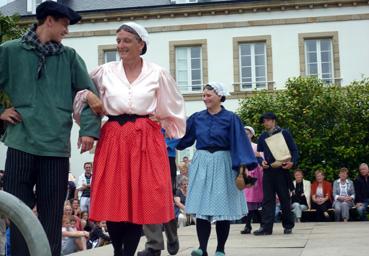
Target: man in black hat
{"type": "Point", "coordinates": [276, 180]}
{"type": "Point", "coordinates": [41, 77]}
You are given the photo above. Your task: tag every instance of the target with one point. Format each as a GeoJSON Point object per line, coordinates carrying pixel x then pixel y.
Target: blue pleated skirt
{"type": "Point", "coordinates": [212, 193]}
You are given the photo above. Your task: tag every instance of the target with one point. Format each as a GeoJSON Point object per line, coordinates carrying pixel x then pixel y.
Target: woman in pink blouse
{"type": "Point", "coordinates": [131, 180]}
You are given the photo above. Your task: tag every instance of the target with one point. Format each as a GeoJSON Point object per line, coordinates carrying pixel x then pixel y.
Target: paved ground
{"type": "Point", "coordinates": [308, 239]}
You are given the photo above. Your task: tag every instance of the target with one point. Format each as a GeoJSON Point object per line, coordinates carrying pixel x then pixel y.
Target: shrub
{"type": "Point", "coordinates": [329, 123]}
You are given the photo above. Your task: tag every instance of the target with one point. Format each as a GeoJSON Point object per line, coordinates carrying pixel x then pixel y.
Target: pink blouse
{"type": "Point", "coordinates": [154, 92]}
{"type": "Point", "coordinates": [255, 193]}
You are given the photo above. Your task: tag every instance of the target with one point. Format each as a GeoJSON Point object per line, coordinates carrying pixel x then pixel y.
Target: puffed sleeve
{"type": "Point", "coordinates": [80, 100]}
{"type": "Point", "coordinates": [170, 109]}
{"type": "Point", "coordinates": [190, 136]}
{"type": "Point", "coordinates": [241, 149]}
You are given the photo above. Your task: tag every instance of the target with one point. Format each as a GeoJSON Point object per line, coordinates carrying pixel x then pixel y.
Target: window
{"type": "Point", "coordinates": [107, 53]}
{"type": "Point", "coordinates": [252, 63]}
{"type": "Point", "coordinates": [319, 59]}
{"type": "Point", "coordinates": [188, 68]}
{"type": "Point", "coordinates": [110, 55]}
{"type": "Point", "coordinates": [319, 56]}
{"type": "Point", "coordinates": [188, 64]}
{"type": "Point", "coordinates": [253, 68]}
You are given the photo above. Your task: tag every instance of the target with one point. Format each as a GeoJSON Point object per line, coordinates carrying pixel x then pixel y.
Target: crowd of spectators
{"type": "Point", "coordinates": [326, 200]}
{"type": "Point", "coordinates": [79, 232]}
{"type": "Point", "coordinates": [331, 200]}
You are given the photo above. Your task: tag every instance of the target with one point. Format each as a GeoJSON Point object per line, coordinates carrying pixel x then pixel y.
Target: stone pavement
{"type": "Point", "coordinates": [308, 239]}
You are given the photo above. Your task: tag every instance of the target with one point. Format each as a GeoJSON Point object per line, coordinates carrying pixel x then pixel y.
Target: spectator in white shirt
{"type": "Point", "coordinates": [343, 195]}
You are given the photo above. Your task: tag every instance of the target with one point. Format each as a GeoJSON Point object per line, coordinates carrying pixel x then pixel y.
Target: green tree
{"type": "Point", "coordinates": [9, 29]}
{"type": "Point", "coordinates": [328, 122]}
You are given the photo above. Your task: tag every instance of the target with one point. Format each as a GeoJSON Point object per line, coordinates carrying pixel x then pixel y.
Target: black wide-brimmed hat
{"type": "Point", "coordinates": [267, 115]}
{"type": "Point", "coordinates": [52, 8]}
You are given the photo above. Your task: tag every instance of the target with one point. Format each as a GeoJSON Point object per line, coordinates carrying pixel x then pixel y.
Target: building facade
{"type": "Point", "coordinates": [247, 45]}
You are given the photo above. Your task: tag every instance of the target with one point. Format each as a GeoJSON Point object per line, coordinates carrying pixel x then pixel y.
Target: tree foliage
{"type": "Point", "coordinates": [9, 29]}
{"type": "Point", "coordinates": [329, 123]}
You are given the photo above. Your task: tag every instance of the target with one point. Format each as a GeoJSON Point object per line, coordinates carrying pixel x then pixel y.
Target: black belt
{"type": "Point", "coordinates": [214, 149]}
{"type": "Point", "coordinates": [122, 119]}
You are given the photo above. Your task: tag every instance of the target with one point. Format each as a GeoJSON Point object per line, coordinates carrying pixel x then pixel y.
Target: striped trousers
{"type": "Point", "coordinates": [23, 172]}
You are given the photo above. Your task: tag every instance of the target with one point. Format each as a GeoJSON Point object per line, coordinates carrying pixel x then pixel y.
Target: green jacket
{"type": "Point", "coordinates": [46, 104]}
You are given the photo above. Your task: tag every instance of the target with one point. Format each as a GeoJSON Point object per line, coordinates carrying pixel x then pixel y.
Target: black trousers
{"type": "Point", "coordinates": [320, 209]}
{"type": "Point", "coordinates": [276, 181]}
{"type": "Point", "coordinates": [50, 175]}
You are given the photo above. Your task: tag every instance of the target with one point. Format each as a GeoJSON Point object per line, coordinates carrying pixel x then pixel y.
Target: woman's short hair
{"type": "Point", "coordinates": [344, 169]}
{"type": "Point", "coordinates": [182, 180]}
{"type": "Point", "coordinates": [319, 172]}
{"type": "Point", "coordinates": [299, 170]}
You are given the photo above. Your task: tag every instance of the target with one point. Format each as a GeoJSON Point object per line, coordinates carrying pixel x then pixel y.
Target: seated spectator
{"type": "Point", "coordinates": [98, 236]}
{"type": "Point", "coordinates": [72, 240]}
{"type": "Point", "coordinates": [361, 185]}
{"type": "Point", "coordinates": [180, 202]}
{"type": "Point", "coordinates": [300, 195]}
{"type": "Point", "coordinates": [76, 210]}
{"type": "Point", "coordinates": [68, 213]}
{"type": "Point", "coordinates": [343, 195]}
{"type": "Point", "coordinates": [186, 160]}
{"type": "Point", "coordinates": [278, 211]}
{"type": "Point", "coordinates": [183, 172]}
{"type": "Point", "coordinates": [321, 195]}
{"type": "Point", "coordinates": [86, 224]}
{"type": "Point", "coordinates": [71, 187]}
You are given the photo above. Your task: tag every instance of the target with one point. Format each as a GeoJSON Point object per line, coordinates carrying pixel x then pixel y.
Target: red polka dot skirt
{"type": "Point", "coordinates": [131, 177]}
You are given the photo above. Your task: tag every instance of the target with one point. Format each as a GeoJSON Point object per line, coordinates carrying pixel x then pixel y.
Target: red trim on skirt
{"type": "Point", "coordinates": [131, 178]}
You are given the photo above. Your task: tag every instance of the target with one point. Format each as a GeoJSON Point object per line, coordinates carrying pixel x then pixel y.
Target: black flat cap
{"type": "Point", "coordinates": [267, 115]}
{"type": "Point", "coordinates": [52, 8]}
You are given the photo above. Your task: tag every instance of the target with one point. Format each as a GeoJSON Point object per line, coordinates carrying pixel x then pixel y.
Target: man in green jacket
{"type": "Point", "coordinates": [41, 77]}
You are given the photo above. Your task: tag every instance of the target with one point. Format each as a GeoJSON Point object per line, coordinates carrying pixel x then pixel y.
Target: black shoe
{"type": "Point", "coordinates": [287, 231]}
{"type": "Point", "coordinates": [173, 248]}
{"type": "Point", "coordinates": [149, 252]}
{"type": "Point", "coordinates": [245, 231]}
{"type": "Point", "coordinates": [262, 232]}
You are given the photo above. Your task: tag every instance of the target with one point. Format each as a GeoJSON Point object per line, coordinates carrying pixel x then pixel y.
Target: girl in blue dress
{"type": "Point", "coordinates": [221, 149]}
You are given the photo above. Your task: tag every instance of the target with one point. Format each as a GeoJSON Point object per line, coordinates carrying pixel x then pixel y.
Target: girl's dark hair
{"type": "Point", "coordinates": [211, 88]}
{"type": "Point", "coordinates": [132, 31]}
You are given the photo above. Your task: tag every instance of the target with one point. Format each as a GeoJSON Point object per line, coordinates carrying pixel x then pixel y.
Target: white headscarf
{"type": "Point", "coordinates": [219, 88]}
{"type": "Point", "coordinates": [140, 30]}
{"type": "Point", "coordinates": [250, 129]}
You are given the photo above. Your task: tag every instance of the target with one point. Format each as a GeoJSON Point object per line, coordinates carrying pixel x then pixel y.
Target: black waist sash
{"type": "Point", "coordinates": [122, 119]}
{"type": "Point", "coordinates": [214, 149]}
